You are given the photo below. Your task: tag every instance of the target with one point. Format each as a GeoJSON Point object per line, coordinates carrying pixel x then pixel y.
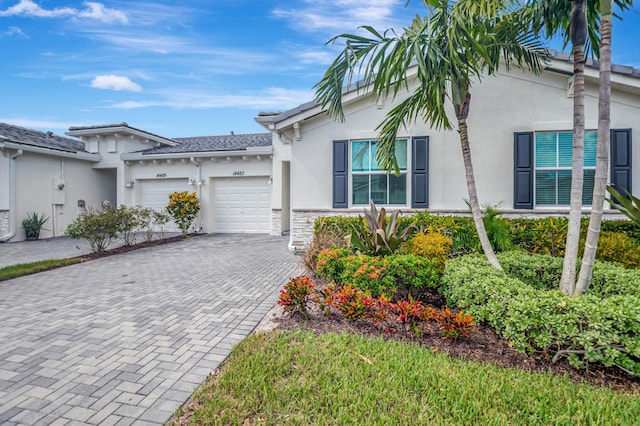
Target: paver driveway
{"type": "Point", "coordinates": [127, 338]}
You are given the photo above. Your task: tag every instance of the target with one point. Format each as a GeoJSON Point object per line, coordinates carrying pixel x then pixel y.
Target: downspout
{"type": "Point", "coordinates": [199, 185]}
{"type": "Point", "coordinates": [12, 197]}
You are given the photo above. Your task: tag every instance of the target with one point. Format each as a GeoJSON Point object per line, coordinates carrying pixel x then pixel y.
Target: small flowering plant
{"type": "Point", "coordinates": [293, 297]}
{"type": "Point", "coordinates": [183, 208]}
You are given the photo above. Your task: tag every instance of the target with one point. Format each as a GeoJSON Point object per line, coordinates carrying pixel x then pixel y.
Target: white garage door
{"type": "Point", "coordinates": [155, 194]}
{"type": "Point", "coordinates": [241, 205]}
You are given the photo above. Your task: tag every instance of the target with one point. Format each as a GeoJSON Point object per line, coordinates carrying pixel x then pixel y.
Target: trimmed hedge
{"type": "Point", "coordinates": [523, 305]}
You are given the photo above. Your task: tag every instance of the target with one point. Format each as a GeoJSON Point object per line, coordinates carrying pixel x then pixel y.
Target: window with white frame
{"type": "Point", "coordinates": [553, 153]}
{"type": "Point", "coordinates": [370, 182]}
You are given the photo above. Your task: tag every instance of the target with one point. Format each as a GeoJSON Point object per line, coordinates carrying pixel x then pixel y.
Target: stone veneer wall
{"type": "Point", "coordinates": [276, 222]}
{"type": "Point", "coordinates": [4, 222]}
{"type": "Point", "coordinates": [303, 220]}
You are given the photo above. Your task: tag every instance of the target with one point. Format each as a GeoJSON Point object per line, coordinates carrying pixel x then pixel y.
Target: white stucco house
{"type": "Point", "coordinates": [308, 165]}
{"type": "Point", "coordinates": [520, 133]}
{"type": "Point", "coordinates": [118, 163]}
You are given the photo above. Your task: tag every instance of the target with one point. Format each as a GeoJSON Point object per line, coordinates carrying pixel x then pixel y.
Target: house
{"type": "Point", "coordinates": [520, 130]}
{"type": "Point", "coordinates": [59, 176]}
{"type": "Point", "coordinates": [309, 165]}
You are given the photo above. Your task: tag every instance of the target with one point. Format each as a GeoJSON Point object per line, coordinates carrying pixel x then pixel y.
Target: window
{"type": "Point", "coordinates": [553, 152]}
{"type": "Point", "coordinates": [370, 182]}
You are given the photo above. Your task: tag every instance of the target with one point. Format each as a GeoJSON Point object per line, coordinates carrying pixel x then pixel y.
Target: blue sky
{"type": "Point", "coordinates": [187, 68]}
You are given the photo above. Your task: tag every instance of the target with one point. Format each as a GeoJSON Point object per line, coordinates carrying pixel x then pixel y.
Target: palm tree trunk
{"type": "Point", "coordinates": [602, 154]}
{"type": "Point", "coordinates": [473, 195]}
{"type": "Point", "coordinates": [578, 36]}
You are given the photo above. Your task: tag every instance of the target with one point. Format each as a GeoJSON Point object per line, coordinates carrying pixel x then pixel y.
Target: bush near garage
{"type": "Point", "coordinates": [524, 306]}
{"type": "Point", "coordinates": [183, 208]}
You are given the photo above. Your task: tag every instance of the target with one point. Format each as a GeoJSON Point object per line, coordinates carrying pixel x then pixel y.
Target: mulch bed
{"type": "Point", "coordinates": [483, 344]}
{"type": "Point", "coordinates": [124, 249]}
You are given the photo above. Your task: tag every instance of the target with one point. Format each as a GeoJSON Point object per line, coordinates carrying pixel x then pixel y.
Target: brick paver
{"type": "Point", "coordinates": [126, 339]}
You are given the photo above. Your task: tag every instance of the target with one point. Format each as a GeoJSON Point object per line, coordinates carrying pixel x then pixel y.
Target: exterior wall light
{"type": "Point", "coordinates": [130, 184]}
{"type": "Point", "coordinates": [201, 182]}
{"type": "Point", "coordinates": [192, 181]}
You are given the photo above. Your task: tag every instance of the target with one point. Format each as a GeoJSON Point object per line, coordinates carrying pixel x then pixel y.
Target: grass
{"type": "Point", "coordinates": [21, 269]}
{"type": "Point", "coordinates": [301, 378]}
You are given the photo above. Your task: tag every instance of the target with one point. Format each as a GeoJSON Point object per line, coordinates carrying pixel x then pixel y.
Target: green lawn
{"type": "Point", "coordinates": [21, 269]}
{"type": "Point", "coordinates": [300, 378]}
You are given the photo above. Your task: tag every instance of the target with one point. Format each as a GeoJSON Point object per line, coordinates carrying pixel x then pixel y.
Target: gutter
{"type": "Point", "coordinates": [39, 150]}
{"type": "Point", "coordinates": [12, 195]}
{"type": "Point", "coordinates": [138, 156]}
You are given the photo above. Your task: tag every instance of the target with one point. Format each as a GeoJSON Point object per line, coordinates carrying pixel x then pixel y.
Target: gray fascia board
{"type": "Point", "coordinates": [138, 156]}
{"type": "Point", "coordinates": [121, 129]}
{"type": "Point", "coordinates": [84, 156]}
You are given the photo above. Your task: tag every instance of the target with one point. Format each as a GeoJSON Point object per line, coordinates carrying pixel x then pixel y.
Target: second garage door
{"type": "Point", "coordinates": [155, 194]}
{"type": "Point", "coordinates": [241, 205]}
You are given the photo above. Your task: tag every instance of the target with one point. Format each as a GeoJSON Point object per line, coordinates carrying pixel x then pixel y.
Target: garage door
{"type": "Point", "coordinates": [155, 194]}
{"type": "Point", "coordinates": [241, 205]}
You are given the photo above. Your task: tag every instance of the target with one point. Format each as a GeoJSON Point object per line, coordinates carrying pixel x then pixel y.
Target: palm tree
{"type": "Point", "coordinates": [602, 150]}
{"type": "Point", "coordinates": [576, 21]}
{"type": "Point", "coordinates": [459, 42]}
{"type": "Point", "coordinates": [578, 34]}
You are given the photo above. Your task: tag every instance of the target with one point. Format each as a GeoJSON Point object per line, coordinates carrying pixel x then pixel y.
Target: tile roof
{"type": "Point", "coordinates": [214, 143]}
{"type": "Point", "coordinates": [49, 140]}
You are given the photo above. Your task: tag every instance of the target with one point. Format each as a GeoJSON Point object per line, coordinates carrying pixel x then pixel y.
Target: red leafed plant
{"type": "Point", "coordinates": [453, 325]}
{"type": "Point", "coordinates": [293, 297]}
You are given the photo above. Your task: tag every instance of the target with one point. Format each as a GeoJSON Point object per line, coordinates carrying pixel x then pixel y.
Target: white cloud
{"type": "Point", "coordinates": [93, 10]}
{"type": "Point", "coordinates": [335, 16]}
{"type": "Point", "coordinates": [271, 98]}
{"type": "Point", "coordinates": [115, 82]}
{"type": "Point", "coordinates": [98, 12]}
{"type": "Point", "coordinates": [13, 31]}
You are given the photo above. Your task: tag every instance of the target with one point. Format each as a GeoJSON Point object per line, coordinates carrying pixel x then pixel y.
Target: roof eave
{"type": "Point", "coordinates": [139, 156]}
{"type": "Point", "coordinates": [78, 155]}
{"type": "Point", "coordinates": [121, 129]}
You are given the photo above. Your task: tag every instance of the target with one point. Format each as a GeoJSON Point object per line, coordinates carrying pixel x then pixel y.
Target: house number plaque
{"type": "Point", "coordinates": [238, 173]}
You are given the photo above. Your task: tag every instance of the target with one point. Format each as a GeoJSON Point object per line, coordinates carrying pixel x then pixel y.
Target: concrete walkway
{"type": "Point", "coordinates": [127, 338]}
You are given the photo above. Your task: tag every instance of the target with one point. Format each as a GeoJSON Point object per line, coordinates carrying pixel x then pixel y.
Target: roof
{"type": "Point", "coordinates": [48, 140]}
{"type": "Point", "coordinates": [553, 54]}
{"type": "Point", "coordinates": [115, 128]}
{"type": "Point", "coordinates": [230, 142]}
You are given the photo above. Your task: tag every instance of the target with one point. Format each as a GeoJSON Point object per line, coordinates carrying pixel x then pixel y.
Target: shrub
{"type": "Point", "coordinates": [323, 238]}
{"type": "Point", "coordinates": [367, 273]}
{"type": "Point", "coordinates": [433, 245]}
{"type": "Point", "coordinates": [453, 325]}
{"type": "Point", "coordinates": [330, 264]}
{"type": "Point", "coordinates": [183, 208]}
{"type": "Point", "coordinates": [602, 326]}
{"type": "Point", "coordinates": [618, 247]}
{"type": "Point", "coordinates": [97, 227]}
{"type": "Point", "coordinates": [129, 223]}
{"type": "Point", "coordinates": [381, 236]}
{"type": "Point", "coordinates": [293, 297]}
{"type": "Point", "coordinates": [413, 273]}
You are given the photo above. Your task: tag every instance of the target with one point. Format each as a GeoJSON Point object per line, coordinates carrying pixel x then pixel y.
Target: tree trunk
{"type": "Point", "coordinates": [473, 196]}
{"type": "Point", "coordinates": [602, 154]}
{"type": "Point", "coordinates": [578, 36]}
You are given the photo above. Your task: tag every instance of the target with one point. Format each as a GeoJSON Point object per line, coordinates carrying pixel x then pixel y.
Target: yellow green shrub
{"type": "Point", "coordinates": [433, 246]}
{"type": "Point", "coordinates": [620, 248]}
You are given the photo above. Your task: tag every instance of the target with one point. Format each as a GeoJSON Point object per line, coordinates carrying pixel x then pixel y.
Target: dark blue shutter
{"type": "Point", "coordinates": [420, 172]}
{"type": "Point", "coordinates": [621, 159]}
{"type": "Point", "coordinates": [523, 170]}
{"type": "Point", "coordinates": [340, 174]}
